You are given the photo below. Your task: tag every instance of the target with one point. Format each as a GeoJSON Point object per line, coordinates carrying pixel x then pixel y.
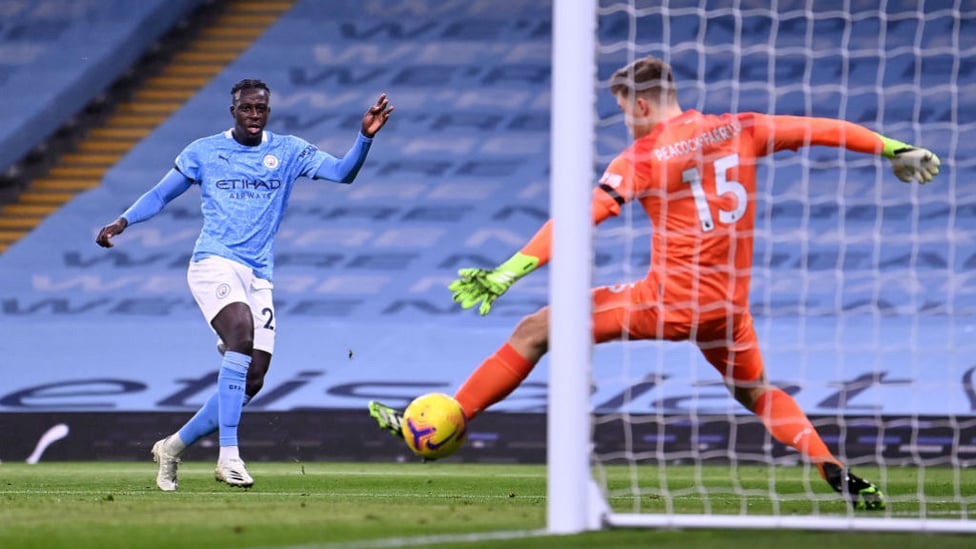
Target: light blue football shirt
{"type": "Point", "coordinates": [245, 190]}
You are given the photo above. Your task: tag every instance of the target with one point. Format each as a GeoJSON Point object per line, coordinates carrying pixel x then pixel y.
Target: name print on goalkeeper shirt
{"type": "Point", "coordinates": [695, 143]}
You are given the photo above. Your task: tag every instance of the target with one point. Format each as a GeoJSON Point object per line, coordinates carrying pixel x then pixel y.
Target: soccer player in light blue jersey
{"type": "Point", "coordinates": [245, 175]}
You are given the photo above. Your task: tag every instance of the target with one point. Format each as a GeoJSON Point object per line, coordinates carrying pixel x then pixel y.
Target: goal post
{"type": "Point", "coordinates": [858, 285]}
{"type": "Point", "coordinates": [569, 494]}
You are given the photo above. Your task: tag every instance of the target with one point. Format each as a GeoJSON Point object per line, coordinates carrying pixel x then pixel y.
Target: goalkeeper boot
{"type": "Point", "coordinates": [388, 418]}
{"type": "Point", "coordinates": [861, 494]}
{"type": "Point", "coordinates": [233, 472]}
{"type": "Point", "coordinates": [168, 463]}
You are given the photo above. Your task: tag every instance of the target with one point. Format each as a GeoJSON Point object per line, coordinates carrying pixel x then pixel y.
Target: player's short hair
{"type": "Point", "coordinates": [248, 84]}
{"type": "Point", "coordinates": [648, 76]}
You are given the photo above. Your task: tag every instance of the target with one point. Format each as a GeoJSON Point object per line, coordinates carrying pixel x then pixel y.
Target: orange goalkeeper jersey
{"type": "Point", "coordinates": [695, 177]}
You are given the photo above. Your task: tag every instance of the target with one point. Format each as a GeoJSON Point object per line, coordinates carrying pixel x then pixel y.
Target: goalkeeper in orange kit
{"type": "Point", "coordinates": [695, 177]}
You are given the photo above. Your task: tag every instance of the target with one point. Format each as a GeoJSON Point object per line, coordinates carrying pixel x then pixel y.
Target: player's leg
{"type": "Point", "coordinates": [204, 422]}
{"type": "Point", "coordinates": [214, 283]}
{"type": "Point", "coordinates": [230, 467]}
{"type": "Point", "coordinates": [626, 311]}
{"type": "Point", "coordinates": [505, 369]}
{"type": "Point", "coordinates": [222, 290]}
{"type": "Point", "coordinates": [494, 379]}
{"type": "Point", "coordinates": [502, 372]}
{"type": "Point", "coordinates": [261, 299]}
{"type": "Point", "coordinates": [733, 349]}
{"type": "Point", "coordinates": [235, 326]}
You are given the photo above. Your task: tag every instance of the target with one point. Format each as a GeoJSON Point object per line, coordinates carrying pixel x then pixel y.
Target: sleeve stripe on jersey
{"type": "Point", "coordinates": [177, 168]}
{"type": "Point", "coordinates": [613, 194]}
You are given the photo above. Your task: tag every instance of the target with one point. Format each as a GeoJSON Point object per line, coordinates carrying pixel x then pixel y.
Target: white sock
{"type": "Point", "coordinates": [228, 452]}
{"type": "Point", "coordinates": [174, 444]}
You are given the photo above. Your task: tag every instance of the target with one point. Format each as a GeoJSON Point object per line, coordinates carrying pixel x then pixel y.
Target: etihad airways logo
{"type": "Point", "coordinates": [248, 184]}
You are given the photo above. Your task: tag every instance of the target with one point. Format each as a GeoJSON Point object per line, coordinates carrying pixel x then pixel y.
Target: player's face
{"type": "Point", "coordinates": [638, 115]}
{"type": "Point", "coordinates": [250, 111]}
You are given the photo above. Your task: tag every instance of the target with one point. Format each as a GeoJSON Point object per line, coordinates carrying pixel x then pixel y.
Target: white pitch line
{"type": "Point", "coordinates": [424, 540]}
{"type": "Point", "coordinates": [257, 493]}
{"type": "Point", "coordinates": [453, 473]}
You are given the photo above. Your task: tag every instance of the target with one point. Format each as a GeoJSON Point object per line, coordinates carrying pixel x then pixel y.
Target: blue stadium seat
{"type": "Point", "coordinates": [57, 55]}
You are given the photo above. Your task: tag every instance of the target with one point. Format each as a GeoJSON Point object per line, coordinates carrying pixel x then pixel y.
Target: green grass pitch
{"type": "Point", "coordinates": [326, 505]}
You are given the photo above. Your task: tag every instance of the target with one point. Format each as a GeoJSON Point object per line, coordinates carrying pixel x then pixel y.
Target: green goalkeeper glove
{"type": "Point", "coordinates": [910, 162]}
{"type": "Point", "coordinates": [482, 285]}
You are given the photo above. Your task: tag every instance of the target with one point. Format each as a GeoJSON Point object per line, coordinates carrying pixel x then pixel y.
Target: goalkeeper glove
{"type": "Point", "coordinates": [485, 286]}
{"type": "Point", "coordinates": [919, 164]}
{"type": "Point", "coordinates": [910, 162]}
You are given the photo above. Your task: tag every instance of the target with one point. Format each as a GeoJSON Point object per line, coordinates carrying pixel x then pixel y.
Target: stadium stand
{"type": "Point", "coordinates": [78, 154]}
{"type": "Point", "coordinates": [458, 178]}
{"type": "Point", "coordinates": [57, 55]}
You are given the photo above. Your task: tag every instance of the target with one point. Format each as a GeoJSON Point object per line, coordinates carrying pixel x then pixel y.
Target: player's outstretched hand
{"type": "Point", "coordinates": [377, 115]}
{"type": "Point", "coordinates": [481, 285]}
{"type": "Point", "coordinates": [485, 286]}
{"type": "Point", "coordinates": [105, 234]}
{"type": "Point", "coordinates": [914, 163]}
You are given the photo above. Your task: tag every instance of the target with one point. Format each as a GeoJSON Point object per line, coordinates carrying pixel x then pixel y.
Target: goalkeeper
{"type": "Point", "coordinates": [695, 177]}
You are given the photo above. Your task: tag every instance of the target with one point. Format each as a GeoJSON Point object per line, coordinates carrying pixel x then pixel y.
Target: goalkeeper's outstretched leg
{"type": "Point", "coordinates": [740, 362]}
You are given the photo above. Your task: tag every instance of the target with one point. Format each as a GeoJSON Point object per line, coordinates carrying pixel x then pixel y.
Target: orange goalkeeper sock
{"type": "Point", "coordinates": [494, 380]}
{"type": "Point", "coordinates": [788, 424]}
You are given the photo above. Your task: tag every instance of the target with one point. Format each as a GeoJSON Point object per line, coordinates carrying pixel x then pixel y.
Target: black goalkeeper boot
{"type": "Point", "coordinates": [861, 494]}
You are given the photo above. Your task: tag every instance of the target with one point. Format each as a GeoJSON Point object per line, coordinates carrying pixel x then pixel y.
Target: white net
{"type": "Point", "coordinates": [862, 289]}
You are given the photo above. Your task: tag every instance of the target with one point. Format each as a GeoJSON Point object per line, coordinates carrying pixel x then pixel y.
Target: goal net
{"type": "Point", "coordinates": [863, 300]}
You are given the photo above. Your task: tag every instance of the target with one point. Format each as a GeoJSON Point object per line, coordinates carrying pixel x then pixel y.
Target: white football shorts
{"type": "Point", "coordinates": [216, 282]}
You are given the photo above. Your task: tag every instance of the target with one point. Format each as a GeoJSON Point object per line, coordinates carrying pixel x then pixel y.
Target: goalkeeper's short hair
{"type": "Point", "coordinates": [649, 76]}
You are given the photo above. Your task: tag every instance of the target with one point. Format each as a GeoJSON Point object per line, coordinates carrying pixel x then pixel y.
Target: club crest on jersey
{"type": "Point", "coordinates": [271, 161]}
{"type": "Point", "coordinates": [223, 290]}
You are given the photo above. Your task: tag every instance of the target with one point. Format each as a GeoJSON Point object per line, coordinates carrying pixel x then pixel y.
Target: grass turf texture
{"type": "Point", "coordinates": [104, 505]}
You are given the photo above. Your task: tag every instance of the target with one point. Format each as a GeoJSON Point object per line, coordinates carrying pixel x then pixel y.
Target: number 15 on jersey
{"type": "Point", "coordinates": [723, 186]}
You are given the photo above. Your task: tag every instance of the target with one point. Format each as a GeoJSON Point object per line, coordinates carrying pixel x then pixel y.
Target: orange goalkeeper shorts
{"type": "Point", "coordinates": [633, 311]}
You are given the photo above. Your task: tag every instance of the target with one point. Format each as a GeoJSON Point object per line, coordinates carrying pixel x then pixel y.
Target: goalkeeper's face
{"type": "Point", "coordinates": [639, 115]}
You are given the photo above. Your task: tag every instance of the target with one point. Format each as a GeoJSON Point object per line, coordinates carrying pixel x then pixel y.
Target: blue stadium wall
{"type": "Point", "coordinates": [864, 311]}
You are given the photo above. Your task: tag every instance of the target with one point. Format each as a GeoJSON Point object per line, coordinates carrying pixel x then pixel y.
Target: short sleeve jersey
{"type": "Point", "coordinates": [695, 177]}
{"type": "Point", "coordinates": [244, 193]}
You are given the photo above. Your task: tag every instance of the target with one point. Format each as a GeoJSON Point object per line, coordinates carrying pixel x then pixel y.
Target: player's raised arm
{"type": "Point", "coordinates": [484, 286]}
{"type": "Point", "coordinates": [376, 116]}
{"type": "Point", "coordinates": [776, 133]}
{"type": "Point", "coordinates": [345, 169]}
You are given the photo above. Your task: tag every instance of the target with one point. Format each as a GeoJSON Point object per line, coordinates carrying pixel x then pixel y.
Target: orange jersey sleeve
{"type": "Point", "coordinates": [776, 133]}
{"type": "Point", "coordinates": [540, 245]}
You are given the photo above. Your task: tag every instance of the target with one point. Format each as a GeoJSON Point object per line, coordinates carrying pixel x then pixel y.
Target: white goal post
{"type": "Point", "coordinates": [850, 304]}
{"type": "Point", "coordinates": [570, 498]}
